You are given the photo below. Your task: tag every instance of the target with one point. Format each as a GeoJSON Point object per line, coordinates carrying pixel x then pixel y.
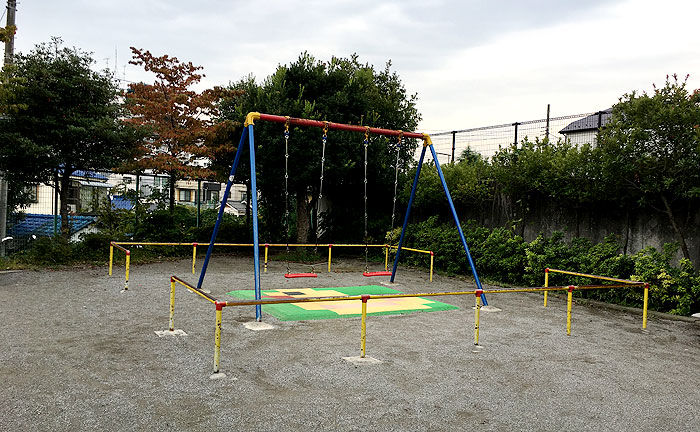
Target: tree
{"type": "Point", "coordinates": [469, 181]}
{"type": "Point", "coordinates": [7, 32]}
{"type": "Point", "coordinates": [653, 147]}
{"type": "Point", "coordinates": [341, 90]}
{"type": "Point", "coordinates": [65, 117]}
{"type": "Point", "coordinates": [180, 120]}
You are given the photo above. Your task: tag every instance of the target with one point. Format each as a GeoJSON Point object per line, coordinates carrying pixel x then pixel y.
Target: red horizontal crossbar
{"type": "Point", "coordinates": [299, 275]}
{"type": "Point", "coordinates": [338, 126]}
{"type": "Point", "coordinates": [377, 273]}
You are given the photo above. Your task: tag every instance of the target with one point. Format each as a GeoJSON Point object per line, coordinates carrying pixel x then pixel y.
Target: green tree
{"type": "Point", "coordinates": [469, 181]}
{"type": "Point", "coordinates": [66, 117]}
{"type": "Point", "coordinates": [652, 146]}
{"type": "Point", "coordinates": [7, 32]}
{"type": "Point", "coordinates": [341, 90]}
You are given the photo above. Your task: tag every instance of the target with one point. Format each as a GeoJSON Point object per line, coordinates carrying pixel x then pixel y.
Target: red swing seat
{"type": "Point", "coordinates": [376, 273]}
{"type": "Point", "coordinates": [300, 275]}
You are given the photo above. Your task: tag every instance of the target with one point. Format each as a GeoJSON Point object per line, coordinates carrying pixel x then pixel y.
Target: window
{"type": "Point", "coordinates": [213, 196]}
{"type": "Point", "coordinates": [32, 193]}
{"type": "Point", "coordinates": [185, 195]}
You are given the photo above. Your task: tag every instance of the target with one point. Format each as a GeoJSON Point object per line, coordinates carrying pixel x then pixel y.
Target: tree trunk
{"type": "Point", "coordinates": [303, 219]}
{"type": "Point", "coordinates": [171, 189]}
{"type": "Point", "coordinates": [64, 182]}
{"type": "Point", "coordinates": [676, 228]}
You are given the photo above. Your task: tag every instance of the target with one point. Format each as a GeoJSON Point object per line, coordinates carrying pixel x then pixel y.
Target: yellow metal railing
{"type": "Point", "coordinates": [267, 246]}
{"type": "Point", "coordinates": [364, 299]}
{"type": "Point", "coordinates": [624, 282]}
{"type": "Point", "coordinates": [113, 245]}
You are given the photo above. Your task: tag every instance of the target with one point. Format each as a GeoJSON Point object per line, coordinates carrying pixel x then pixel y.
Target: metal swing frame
{"type": "Point", "coordinates": [248, 134]}
{"type": "Point", "coordinates": [312, 273]}
{"type": "Point", "coordinates": [368, 273]}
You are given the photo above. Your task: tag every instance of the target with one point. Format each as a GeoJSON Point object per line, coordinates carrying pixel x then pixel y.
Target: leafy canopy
{"type": "Point", "coordinates": [180, 120]}
{"type": "Point", "coordinates": [59, 115]}
{"type": "Point", "coordinates": [340, 90]}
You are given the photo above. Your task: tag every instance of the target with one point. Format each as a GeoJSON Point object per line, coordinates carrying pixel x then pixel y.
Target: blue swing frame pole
{"type": "Point", "coordinates": [229, 183]}
{"type": "Point", "coordinates": [256, 241]}
{"type": "Point", "coordinates": [408, 212]}
{"type": "Point", "coordinates": [459, 227]}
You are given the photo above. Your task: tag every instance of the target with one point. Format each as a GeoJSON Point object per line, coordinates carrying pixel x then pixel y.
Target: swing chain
{"type": "Point", "coordinates": [323, 158]}
{"type": "Point", "coordinates": [396, 178]}
{"type": "Point", "coordinates": [366, 143]}
{"type": "Point", "coordinates": [320, 188]}
{"type": "Point", "coordinates": [286, 186]}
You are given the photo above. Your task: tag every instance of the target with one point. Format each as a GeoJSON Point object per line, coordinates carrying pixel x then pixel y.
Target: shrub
{"type": "Point", "coordinates": [93, 247]}
{"type": "Point", "coordinates": [50, 251]}
{"type": "Point", "coordinates": [671, 289]}
{"type": "Point", "coordinates": [501, 256]}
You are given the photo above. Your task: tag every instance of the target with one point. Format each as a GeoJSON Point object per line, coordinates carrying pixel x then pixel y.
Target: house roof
{"type": "Point", "coordinates": [122, 203]}
{"type": "Point", "coordinates": [588, 123]}
{"type": "Point", "coordinates": [41, 225]}
{"type": "Point", "coordinates": [92, 175]}
{"type": "Point", "coordinates": [235, 205]}
{"type": "Point", "coordinates": [94, 183]}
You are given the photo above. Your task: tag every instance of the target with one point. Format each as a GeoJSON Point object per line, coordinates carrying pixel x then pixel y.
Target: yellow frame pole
{"type": "Point", "coordinates": [330, 246]}
{"type": "Point", "coordinates": [546, 284]}
{"type": "Point", "coordinates": [477, 317]}
{"type": "Point", "coordinates": [111, 257]}
{"type": "Point", "coordinates": [363, 332]}
{"type": "Point", "coordinates": [267, 246]}
{"type": "Point", "coordinates": [194, 256]}
{"type": "Point", "coordinates": [386, 257]}
{"type": "Point", "coordinates": [569, 301]}
{"type": "Point", "coordinates": [172, 304]}
{"type": "Point", "coordinates": [646, 305]}
{"type": "Point", "coordinates": [432, 261]}
{"type": "Point", "coordinates": [217, 336]}
{"type": "Point", "coordinates": [128, 259]}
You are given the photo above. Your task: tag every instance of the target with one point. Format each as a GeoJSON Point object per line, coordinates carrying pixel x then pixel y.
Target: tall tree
{"type": "Point", "coordinates": [64, 117]}
{"type": "Point", "coordinates": [180, 119]}
{"type": "Point", "coordinates": [7, 32]}
{"type": "Point", "coordinates": [653, 148]}
{"type": "Point", "coordinates": [340, 90]}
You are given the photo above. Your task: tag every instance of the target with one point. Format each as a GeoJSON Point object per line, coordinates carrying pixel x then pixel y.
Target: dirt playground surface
{"type": "Point", "coordinates": [77, 354]}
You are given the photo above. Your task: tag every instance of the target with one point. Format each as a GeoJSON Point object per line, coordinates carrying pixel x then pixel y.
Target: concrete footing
{"type": "Point", "coordinates": [361, 361]}
{"type": "Point", "coordinates": [257, 326]}
{"type": "Point", "coordinates": [176, 332]}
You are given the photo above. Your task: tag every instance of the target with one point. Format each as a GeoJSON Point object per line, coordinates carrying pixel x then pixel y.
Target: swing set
{"type": "Point", "coordinates": [367, 273]}
{"type": "Point", "coordinates": [248, 134]}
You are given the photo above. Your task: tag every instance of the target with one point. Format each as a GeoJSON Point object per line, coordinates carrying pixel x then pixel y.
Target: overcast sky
{"type": "Point", "coordinates": [472, 63]}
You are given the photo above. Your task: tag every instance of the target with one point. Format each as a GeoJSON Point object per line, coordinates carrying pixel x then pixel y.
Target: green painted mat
{"type": "Point", "coordinates": [340, 309]}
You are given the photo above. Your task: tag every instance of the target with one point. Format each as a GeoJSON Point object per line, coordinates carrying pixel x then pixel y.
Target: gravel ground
{"type": "Point", "coordinates": [77, 354]}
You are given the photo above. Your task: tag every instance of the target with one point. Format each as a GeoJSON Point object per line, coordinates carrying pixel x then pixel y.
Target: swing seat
{"type": "Point", "coordinates": [299, 275]}
{"type": "Point", "coordinates": [376, 273]}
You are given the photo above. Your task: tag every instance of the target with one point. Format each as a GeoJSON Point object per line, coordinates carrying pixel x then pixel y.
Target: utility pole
{"type": "Point", "coordinates": [9, 52]}
{"type": "Point", "coordinates": [547, 130]}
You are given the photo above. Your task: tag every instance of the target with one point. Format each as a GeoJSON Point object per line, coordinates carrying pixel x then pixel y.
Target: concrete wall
{"type": "Point", "coordinates": [635, 229]}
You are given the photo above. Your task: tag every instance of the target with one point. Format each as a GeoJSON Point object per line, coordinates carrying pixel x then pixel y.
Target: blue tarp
{"type": "Point", "coordinates": [41, 225]}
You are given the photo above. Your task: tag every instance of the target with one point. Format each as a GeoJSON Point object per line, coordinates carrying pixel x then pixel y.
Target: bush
{"type": "Point", "coordinates": [672, 289]}
{"type": "Point", "coordinates": [502, 256]}
{"type": "Point", "coordinates": [50, 251]}
{"type": "Point", "coordinates": [93, 247]}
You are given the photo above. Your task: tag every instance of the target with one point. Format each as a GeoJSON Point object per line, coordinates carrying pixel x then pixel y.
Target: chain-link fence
{"type": "Point", "coordinates": [487, 140]}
